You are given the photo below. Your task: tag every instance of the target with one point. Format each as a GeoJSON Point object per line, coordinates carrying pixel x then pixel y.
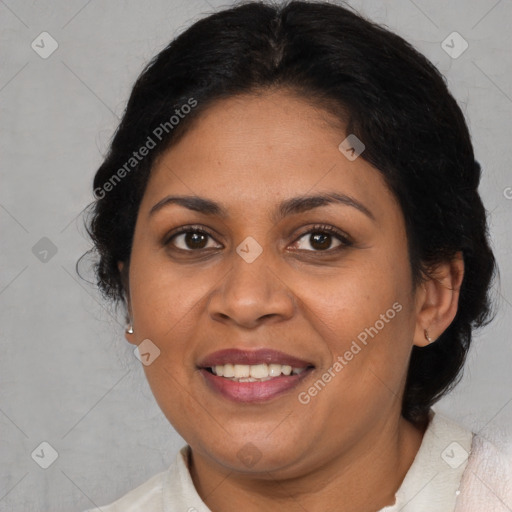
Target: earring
{"type": "Point", "coordinates": [427, 337]}
{"type": "Point", "coordinates": [130, 329]}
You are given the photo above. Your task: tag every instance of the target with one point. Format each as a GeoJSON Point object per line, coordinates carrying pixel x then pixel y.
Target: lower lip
{"type": "Point", "coordinates": [253, 391]}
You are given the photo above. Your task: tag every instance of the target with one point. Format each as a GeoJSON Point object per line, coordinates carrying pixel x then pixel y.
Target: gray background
{"type": "Point", "coordinates": [67, 376]}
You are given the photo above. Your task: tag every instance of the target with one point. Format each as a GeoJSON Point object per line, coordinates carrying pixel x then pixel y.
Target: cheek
{"type": "Point", "coordinates": [364, 314]}
{"type": "Point", "coordinates": [164, 295]}
{"type": "Point", "coordinates": [354, 296]}
{"type": "Point", "coordinates": [366, 334]}
{"type": "Point", "coordinates": [165, 303]}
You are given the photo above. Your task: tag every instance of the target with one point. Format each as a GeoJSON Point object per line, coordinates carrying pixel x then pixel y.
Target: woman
{"type": "Point", "coordinates": [289, 212]}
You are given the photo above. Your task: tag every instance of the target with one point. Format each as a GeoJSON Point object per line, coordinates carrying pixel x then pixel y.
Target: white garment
{"type": "Point", "coordinates": [449, 458]}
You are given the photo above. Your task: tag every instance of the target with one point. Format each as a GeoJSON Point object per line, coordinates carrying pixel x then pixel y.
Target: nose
{"type": "Point", "coordinates": [250, 294]}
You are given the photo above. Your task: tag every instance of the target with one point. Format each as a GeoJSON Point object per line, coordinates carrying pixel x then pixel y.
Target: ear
{"type": "Point", "coordinates": [437, 300]}
{"type": "Point", "coordinates": [130, 338]}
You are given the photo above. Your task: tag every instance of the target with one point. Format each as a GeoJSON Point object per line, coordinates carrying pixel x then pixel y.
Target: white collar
{"type": "Point", "coordinates": [430, 485]}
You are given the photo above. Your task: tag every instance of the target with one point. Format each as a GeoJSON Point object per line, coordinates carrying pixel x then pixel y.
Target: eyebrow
{"type": "Point", "coordinates": [288, 207]}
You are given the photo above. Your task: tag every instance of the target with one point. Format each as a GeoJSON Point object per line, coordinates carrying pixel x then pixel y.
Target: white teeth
{"type": "Point", "coordinates": [252, 379]}
{"type": "Point", "coordinates": [252, 373]}
{"type": "Point", "coordinates": [228, 370]}
{"type": "Point", "coordinates": [274, 370]}
{"type": "Point", "coordinates": [242, 370]}
{"type": "Point", "coordinates": [286, 369]}
{"type": "Point", "coordinates": [259, 371]}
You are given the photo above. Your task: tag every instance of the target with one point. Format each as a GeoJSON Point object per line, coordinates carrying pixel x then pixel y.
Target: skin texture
{"type": "Point", "coordinates": [348, 448]}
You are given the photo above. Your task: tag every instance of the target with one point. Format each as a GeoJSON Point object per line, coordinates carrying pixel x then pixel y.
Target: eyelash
{"type": "Point", "coordinates": [318, 228]}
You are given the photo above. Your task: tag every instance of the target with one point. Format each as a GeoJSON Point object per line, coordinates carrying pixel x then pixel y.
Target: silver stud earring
{"type": "Point", "coordinates": [427, 337]}
{"type": "Point", "coordinates": [130, 329]}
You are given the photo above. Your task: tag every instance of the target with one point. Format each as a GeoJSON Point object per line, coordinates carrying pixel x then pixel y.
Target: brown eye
{"type": "Point", "coordinates": [318, 241]}
{"type": "Point", "coordinates": [191, 240]}
{"type": "Point", "coordinates": [321, 239]}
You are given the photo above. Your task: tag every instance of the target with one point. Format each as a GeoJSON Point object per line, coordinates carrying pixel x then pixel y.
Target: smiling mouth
{"type": "Point", "coordinates": [255, 373]}
{"type": "Point", "coordinates": [258, 375]}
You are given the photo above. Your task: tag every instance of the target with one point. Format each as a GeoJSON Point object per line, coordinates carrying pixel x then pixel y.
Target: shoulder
{"type": "Point", "coordinates": [147, 497]}
{"type": "Point", "coordinates": [487, 480]}
{"type": "Point", "coordinates": [170, 491]}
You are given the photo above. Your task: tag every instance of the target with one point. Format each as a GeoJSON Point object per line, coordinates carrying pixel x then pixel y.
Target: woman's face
{"type": "Point", "coordinates": [268, 276]}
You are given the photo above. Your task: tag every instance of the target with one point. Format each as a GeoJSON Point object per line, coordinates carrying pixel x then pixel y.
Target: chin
{"type": "Point", "coordinates": [256, 455]}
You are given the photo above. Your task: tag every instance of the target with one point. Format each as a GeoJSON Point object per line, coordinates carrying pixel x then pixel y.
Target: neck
{"type": "Point", "coordinates": [365, 478]}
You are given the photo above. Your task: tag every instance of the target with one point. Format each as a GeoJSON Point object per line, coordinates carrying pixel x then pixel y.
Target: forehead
{"type": "Point", "coordinates": [251, 151]}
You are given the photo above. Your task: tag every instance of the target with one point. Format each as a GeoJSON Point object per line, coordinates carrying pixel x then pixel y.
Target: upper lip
{"type": "Point", "coordinates": [252, 357]}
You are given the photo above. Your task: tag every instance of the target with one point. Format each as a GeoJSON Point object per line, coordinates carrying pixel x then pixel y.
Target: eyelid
{"type": "Point", "coordinates": [327, 228]}
{"type": "Point", "coordinates": [344, 239]}
{"type": "Point", "coordinates": [196, 228]}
